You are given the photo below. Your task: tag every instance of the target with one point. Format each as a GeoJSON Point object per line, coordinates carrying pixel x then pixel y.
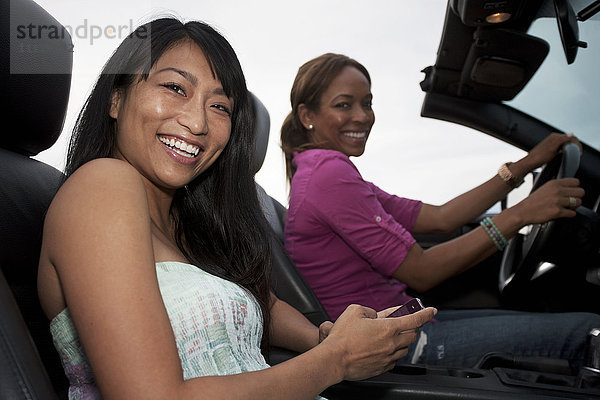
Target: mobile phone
{"type": "Point", "coordinates": [409, 307]}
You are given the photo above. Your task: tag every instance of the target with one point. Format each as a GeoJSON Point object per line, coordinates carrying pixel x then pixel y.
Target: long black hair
{"type": "Point", "coordinates": [219, 225]}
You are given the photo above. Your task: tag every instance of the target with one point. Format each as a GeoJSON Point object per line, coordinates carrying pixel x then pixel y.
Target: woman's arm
{"type": "Point", "coordinates": [291, 330]}
{"type": "Point", "coordinates": [98, 237]}
{"type": "Point", "coordinates": [424, 269]}
{"type": "Point", "coordinates": [464, 208]}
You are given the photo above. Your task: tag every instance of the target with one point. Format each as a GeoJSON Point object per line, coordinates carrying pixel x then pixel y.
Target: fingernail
{"type": "Point", "coordinates": [570, 134]}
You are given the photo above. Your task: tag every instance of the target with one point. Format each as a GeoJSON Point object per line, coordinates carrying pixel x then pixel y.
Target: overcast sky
{"type": "Point", "coordinates": [406, 154]}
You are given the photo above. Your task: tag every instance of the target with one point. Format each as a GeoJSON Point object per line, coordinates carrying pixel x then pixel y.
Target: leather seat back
{"type": "Point", "coordinates": [287, 283]}
{"type": "Point", "coordinates": [35, 71]}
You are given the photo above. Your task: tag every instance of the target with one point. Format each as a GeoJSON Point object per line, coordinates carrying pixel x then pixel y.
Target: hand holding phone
{"type": "Point", "coordinates": [409, 307]}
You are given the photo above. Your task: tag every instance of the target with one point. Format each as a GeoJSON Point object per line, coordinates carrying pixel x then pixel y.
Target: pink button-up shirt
{"type": "Point", "coordinates": [346, 235]}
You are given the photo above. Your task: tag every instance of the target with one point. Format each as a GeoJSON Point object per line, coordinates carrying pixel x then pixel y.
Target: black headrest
{"type": "Point", "coordinates": [36, 59]}
{"type": "Point", "coordinates": [262, 124]}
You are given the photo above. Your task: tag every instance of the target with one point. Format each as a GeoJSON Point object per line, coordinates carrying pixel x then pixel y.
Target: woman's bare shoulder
{"type": "Point", "coordinates": [97, 190]}
{"type": "Point", "coordinates": [101, 209]}
{"type": "Point", "coordinates": [99, 179]}
{"type": "Point", "coordinates": [109, 172]}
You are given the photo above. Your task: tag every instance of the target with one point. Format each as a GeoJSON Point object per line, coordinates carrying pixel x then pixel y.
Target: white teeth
{"type": "Point", "coordinates": [180, 147]}
{"type": "Point", "coordinates": [357, 135]}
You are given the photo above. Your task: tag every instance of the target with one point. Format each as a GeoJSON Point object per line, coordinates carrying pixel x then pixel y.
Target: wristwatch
{"type": "Point", "coordinates": [508, 176]}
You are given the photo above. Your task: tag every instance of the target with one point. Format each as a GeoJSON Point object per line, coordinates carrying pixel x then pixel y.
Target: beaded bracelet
{"type": "Point", "coordinates": [494, 233]}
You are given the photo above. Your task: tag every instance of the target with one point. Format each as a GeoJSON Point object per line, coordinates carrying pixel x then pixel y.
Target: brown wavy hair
{"type": "Point", "coordinates": [312, 80]}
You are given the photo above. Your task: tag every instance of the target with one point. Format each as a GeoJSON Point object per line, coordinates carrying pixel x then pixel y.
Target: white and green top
{"type": "Point", "coordinates": [217, 324]}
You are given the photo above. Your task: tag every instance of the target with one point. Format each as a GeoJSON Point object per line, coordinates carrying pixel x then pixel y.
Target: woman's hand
{"type": "Point", "coordinates": [547, 149]}
{"type": "Point", "coordinates": [552, 200]}
{"type": "Point", "coordinates": [324, 330]}
{"type": "Point", "coordinates": [369, 345]}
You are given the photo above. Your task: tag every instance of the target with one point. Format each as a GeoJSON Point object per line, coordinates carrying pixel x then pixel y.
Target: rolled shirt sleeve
{"type": "Point", "coordinates": [353, 210]}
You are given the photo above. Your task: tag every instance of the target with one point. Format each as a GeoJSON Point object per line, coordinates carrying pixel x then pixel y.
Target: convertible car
{"type": "Point", "coordinates": [516, 70]}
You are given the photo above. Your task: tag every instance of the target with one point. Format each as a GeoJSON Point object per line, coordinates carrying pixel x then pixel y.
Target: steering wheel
{"type": "Point", "coordinates": [522, 257]}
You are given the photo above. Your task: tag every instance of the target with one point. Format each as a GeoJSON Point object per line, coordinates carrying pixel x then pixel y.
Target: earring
{"type": "Point", "coordinates": [310, 127]}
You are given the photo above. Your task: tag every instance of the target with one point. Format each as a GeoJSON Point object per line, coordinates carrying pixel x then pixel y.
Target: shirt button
{"type": "Point", "coordinates": [378, 218]}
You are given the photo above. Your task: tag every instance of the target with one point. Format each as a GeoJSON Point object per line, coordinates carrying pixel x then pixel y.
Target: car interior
{"type": "Point", "coordinates": [482, 63]}
{"type": "Point", "coordinates": [480, 69]}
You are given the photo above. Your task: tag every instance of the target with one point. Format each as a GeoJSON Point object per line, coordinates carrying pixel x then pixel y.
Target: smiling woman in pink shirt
{"type": "Point", "coordinates": [353, 242]}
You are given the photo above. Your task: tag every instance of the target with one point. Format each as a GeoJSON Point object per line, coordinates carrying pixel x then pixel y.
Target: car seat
{"type": "Point", "coordinates": [36, 78]}
{"type": "Point", "coordinates": [287, 283]}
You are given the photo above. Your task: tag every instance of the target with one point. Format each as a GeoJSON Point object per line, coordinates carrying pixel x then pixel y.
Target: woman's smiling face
{"type": "Point", "coordinates": [172, 126]}
{"type": "Point", "coordinates": [345, 117]}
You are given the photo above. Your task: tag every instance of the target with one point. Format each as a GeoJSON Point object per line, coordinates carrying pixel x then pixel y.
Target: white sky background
{"type": "Point", "coordinates": [406, 154]}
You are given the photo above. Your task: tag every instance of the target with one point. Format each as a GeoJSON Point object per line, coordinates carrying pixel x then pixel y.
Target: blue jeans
{"type": "Point", "coordinates": [459, 338]}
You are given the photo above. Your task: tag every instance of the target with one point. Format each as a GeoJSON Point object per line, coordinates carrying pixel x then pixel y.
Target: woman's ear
{"type": "Point", "coordinates": [305, 116]}
{"type": "Point", "coordinates": [115, 102]}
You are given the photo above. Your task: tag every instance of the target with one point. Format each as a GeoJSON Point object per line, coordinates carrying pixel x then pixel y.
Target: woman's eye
{"type": "Point", "coordinates": [223, 108]}
{"type": "Point", "coordinates": [342, 105]}
{"type": "Point", "coordinates": [368, 104]}
{"type": "Point", "coordinates": [175, 87]}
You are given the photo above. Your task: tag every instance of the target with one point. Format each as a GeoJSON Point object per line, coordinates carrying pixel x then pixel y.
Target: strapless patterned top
{"type": "Point", "coordinates": [217, 326]}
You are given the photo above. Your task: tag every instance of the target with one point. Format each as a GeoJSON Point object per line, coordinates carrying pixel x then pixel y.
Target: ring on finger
{"type": "Point", "coordinates": [572, 202]}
